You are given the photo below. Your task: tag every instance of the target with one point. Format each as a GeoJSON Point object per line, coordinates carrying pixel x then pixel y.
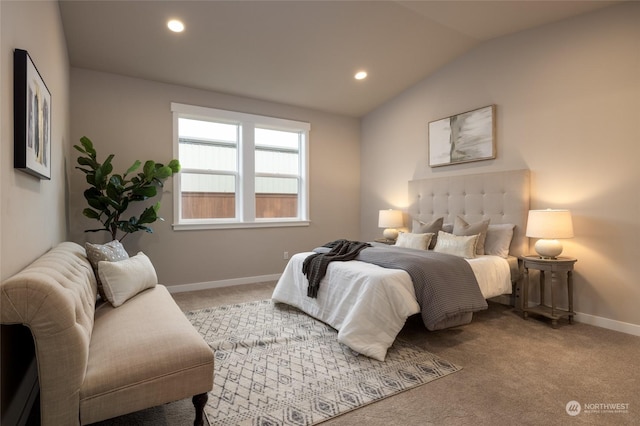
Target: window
{"type": "Point", "coordinates": [239, 170]}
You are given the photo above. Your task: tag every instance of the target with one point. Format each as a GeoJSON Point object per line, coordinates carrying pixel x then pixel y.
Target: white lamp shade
{"type": "Point", "coordinates": [549, 224]}
{"type": "Point", "coordinates": [390, 219]}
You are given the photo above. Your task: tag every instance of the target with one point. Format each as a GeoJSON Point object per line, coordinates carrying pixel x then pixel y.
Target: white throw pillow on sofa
{"type": "Point", "coordinates": [112, 251]}
{"type": "Point", "coordinates": [124, 279]}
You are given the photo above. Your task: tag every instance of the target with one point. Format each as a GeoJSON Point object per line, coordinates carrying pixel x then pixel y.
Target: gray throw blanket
{"type": "Point", "coordinates": [315, 265]}
{"type": "Point", "coordinates": [445, 285]}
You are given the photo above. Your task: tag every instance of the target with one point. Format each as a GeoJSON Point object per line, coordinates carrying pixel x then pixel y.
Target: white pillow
{"type": "Point", "coordinates": [499, 239]}
{"type": "Point", "coordinates": [124, 279]}
{"type": "Point", "coordinates": [414, 241]}
{"type": "Point", "coordinates": [461, 227]}
{"type": "Point", "coordinates": [461, 246]}
{"type": "Point", "coordinates": [112, 252]}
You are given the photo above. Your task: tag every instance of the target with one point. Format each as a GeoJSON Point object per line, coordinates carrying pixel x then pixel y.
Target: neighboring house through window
{"type": "Point", "coordinates": [239, 170]}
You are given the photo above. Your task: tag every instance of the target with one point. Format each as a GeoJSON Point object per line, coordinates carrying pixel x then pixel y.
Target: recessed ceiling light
{"type": "Point", "coordinates": [175, 26]}
{"type": "Point", "coordinates": [360, 75]}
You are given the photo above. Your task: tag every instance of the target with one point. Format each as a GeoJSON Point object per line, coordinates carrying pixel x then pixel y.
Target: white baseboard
{"type": "Point", "coordinates": [222, 283]}
{"type": "Point", "coordinates": [623, 327]}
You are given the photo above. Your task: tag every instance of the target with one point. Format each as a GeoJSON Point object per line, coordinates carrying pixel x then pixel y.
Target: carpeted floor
{"type": "Point", "coordinates": [515, 372]}
{"type": "Point", "coordinates": [276, 365]}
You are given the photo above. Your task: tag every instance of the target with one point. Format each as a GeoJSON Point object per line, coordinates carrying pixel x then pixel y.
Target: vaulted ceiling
{"type": "Point", "coordinates": [302, 53]}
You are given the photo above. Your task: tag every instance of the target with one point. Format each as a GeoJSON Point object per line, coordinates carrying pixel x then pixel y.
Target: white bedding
{"type": "Point", "coordinates": [368, 304]}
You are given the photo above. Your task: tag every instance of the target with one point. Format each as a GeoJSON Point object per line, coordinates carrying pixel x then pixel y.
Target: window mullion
{"type": "Point", "coordinates": [177, 177]}
{"type": "Point", "coordinates": [303, 179]}
{"type": "Point", "coordinates": [247, 172]}
{"type": "Point", "coordinates": [208, 172]}
{"type": "Point", "coordinates": [277, 175]}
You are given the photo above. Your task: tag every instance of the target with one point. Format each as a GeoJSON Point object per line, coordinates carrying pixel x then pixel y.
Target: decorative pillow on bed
{"type": "Point", "coordinates": [414, 241]}
{"type": "Point", "coordinates": [499, 239]}
{"type": "Point", "coordinates": [461, 227]}
{"type": "Point", "coordinates": [431, 227]}
{"type": "Point", "coordinates": [457, 245]}
{"type": "Point", "coordinates": [111, 252]}
{"type": "Point", "coordinates": [124, 279]}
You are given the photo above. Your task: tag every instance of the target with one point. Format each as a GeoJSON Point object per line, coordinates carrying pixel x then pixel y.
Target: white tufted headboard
{"type": "Point", "coordinates": [502, 197]}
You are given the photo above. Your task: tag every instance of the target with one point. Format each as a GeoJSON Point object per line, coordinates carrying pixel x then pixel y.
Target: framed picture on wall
{"type": "Point", "coordinates": [32, 118]}
{"type": "Point", "coordinates": [461, 138]}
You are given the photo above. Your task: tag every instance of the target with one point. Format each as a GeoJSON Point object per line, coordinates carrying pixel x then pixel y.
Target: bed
{"type": "Point", "coordinates": [369, 304]}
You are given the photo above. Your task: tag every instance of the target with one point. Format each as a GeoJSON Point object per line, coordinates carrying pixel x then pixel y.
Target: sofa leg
{"type": "Point", "coordinates": [199, 401]}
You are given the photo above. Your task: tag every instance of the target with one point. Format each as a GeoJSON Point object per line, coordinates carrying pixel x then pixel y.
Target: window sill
{"type": "Point", "coordinates": [239, 225]}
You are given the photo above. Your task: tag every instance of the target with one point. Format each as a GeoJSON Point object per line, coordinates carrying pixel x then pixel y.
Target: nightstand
{"type": "Point", "coordinates": [560, 265]}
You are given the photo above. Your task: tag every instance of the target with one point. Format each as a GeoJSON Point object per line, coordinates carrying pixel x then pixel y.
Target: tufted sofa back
{"type": "Point", "coordinates": [55, 297]}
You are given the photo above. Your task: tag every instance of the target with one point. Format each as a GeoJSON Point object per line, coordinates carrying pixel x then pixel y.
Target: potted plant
{"type": "Point", "coordinates": [110, 194]}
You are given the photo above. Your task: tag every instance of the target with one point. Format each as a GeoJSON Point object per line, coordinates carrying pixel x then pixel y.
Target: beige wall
{"type": "Point", "coordinates": [33, 211]}
{"type": "Point", "coordinates": [568, 108]}
{"type": "Point", "coordinates": [131, 118]}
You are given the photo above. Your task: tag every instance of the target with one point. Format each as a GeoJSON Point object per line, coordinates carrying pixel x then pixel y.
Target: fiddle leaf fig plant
{"type": "Point", "coordinates": [111, 194]}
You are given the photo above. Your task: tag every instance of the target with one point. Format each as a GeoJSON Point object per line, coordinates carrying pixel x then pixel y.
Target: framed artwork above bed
{"type": "Point", "coordinates": [464, 137]}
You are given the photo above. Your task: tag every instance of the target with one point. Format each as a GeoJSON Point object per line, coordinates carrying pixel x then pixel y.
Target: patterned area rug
{"type": "Point", "coordinates": [278, 366]}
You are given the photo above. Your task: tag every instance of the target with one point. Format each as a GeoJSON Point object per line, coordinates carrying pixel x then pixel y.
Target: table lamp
{"type": "Point", "coordinates": [549, 225]}
{"type": "Point", "coordinates": [390, 219]}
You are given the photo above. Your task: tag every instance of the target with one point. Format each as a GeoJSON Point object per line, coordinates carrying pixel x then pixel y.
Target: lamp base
{"type": "Point", "coordinates": [548, 249]}
{"type": "Point", "coordinates": [390, 233]}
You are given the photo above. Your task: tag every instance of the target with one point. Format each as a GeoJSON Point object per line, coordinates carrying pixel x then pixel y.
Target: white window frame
{"type": "Point", "coordinates": [245, 182]}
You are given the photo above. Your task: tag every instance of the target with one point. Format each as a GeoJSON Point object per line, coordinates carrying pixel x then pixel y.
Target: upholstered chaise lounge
{"type": "Point", "coordinates": [96, 361]}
